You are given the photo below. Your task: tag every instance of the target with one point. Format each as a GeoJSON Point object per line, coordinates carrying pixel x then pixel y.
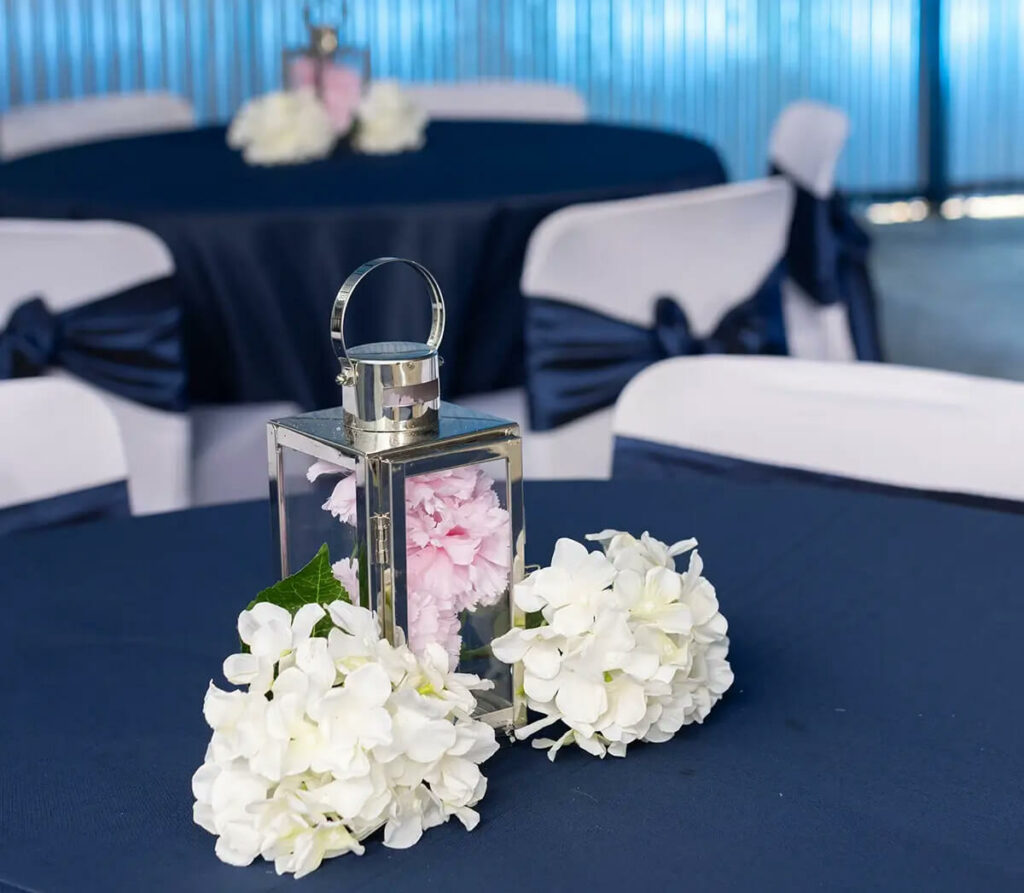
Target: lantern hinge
{"type": "Point", "coordinates": [380, 533]}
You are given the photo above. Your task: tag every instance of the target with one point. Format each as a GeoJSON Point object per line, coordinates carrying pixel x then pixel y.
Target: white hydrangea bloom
{"type": "Point", "coordinates": [627, 649]}
{"type": "Point", "coordinates": [389, 121]}
{"type": "Point", "coordinates": [333, 739]}
{"type": "Point", "coordinates": [283, 127]}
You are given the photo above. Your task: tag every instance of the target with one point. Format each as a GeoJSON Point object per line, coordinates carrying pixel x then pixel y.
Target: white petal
{"type": "Point", "coordinates": [431, 740]}
{"type": "Point", "coordinates": [354, 620]}
{"type": "Point", "coordinates": [682, 546]}
{"type": "Point", "coordinates": [527, 730]}
{"type": "Point", "coordinates": [313, 659]}
{"type": "Point", "coordinates": [527, 598]}
{"type": "Point", "coordinates": [538, 689]}
{"type": "Point", "coordinates": [241, 669]}
{"type": "Point", "coordinates": [572, 620]}
{"type": "Point", "coordinates": [403, 831]}
{"type": "Point", "coordinates": [568, 553]}
{"type": "Point", "coordinates": [305, 619]}
{"type": "Point", "coordinates": [261, 614]}
{"type": "Point", "coordinates": [675, 619]}
{"type": "Point", "coordinates": [590, 743]}
{"type": "Point", "coordinates": [581, 699]}
{"type": "Point", "coordinates": [543, 659]}
{"type": "Point", "coordinates": [370, 684]}
{"type": "Point", "coordinates": [470, 818]}
{"type": "Point", "coordinates": [510, 647]}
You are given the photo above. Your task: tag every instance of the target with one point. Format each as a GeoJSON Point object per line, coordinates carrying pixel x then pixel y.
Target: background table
{"type": "Point", "coordinates": [872, 739]}
{"type": "Point", "coordinates": [261, 252]}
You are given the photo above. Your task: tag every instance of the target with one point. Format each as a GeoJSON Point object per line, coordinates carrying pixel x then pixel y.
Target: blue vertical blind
{"type": "Point", "coordinates": [985, 70]}
{"type": "Point", "coordinates": [720, 69]}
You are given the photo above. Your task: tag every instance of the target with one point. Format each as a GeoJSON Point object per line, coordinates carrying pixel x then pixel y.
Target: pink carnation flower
{"type": "Point", "coordinates": [346, 572]}
{"type": "Point", "coordinates": [342, 501]}
{"type": "Point", "coordinates": [432, 620]}
{"type": "Point", "coordinates": [457, 547]}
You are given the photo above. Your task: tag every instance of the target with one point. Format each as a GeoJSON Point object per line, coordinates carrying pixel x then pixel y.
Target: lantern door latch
{"type": "Point", "coordinates": [380, 534]}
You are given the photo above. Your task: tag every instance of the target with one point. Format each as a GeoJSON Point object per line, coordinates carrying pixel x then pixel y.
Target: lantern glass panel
{"type": "Point", "coordinates": [458, 564]}
{"type": "Point", "coordinates": [318, 500]}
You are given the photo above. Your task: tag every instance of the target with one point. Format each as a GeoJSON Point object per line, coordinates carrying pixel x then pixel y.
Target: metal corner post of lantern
{"type": "Point", "coordinates": [385, 479]}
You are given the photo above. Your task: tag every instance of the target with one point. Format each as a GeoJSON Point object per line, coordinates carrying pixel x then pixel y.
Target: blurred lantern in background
{"type": "Point", "coordinates": [338, 72]}
{"type": "Point", "coordinates": [419, 502]}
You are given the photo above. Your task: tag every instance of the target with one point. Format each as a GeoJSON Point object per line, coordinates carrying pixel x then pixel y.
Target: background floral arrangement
{"type": "Point", "coordinates": [295, 126]}
{"type": "Point", "coordinates": [333, 734]}
{"type": "Point", "coordinates": [622, 648]}
{"type": "Point", "coordinates": [457, 548]}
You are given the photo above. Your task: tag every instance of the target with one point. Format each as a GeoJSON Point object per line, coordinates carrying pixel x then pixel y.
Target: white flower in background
{"type": "Point", "coordinates": [284, 127]}
{"type": "Point", "coordinates": [627, 649]}
{"type": "Point", "coordinates": [340, 737]}
{"type": "Point", "coordinates": [388, 121]}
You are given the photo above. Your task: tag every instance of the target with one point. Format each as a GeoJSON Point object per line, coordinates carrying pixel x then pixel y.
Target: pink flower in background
{"type": "Point", "coordinates": [341, 89]}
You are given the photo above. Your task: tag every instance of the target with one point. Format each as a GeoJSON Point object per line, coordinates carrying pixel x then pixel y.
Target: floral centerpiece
{"type": "Point", "coordinates": [333, 733]}
{"type": "Point", "coordinates": [300, 124]}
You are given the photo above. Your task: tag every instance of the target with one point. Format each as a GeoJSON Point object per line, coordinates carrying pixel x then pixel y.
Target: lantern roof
{"type": "Point", "coordinates": [457, 426]}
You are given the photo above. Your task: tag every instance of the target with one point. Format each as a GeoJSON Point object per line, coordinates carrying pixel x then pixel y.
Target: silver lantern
{"type": "Point", "coordinates": [419, 502]}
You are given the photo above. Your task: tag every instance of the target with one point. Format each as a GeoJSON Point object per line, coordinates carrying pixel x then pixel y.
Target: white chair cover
{"type": "Point", "coordinates": [710, 248]}
{"type": "Point", "coordinates": [886, 424]}
{"type": "Point", "coordinates": [58, 437]}
{"type": "Point", "coordinates": [806, 142]}
{"type": "Point", "coordinates": [69, 263]}
{"type": "Point", "coordinates": [230, 451]}
{"type": "Point", "coordinates": [496, 99]}
{"type": "Point", "coordinates": [39, 127]}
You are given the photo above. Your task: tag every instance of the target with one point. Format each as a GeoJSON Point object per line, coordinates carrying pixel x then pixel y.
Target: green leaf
{"type": "Point", "coordinates": [534, 619]}
{"type": "Point", "coordinates": [313, 584]}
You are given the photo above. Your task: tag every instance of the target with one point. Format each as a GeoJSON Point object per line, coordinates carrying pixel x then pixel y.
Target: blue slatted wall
{"type": "Point", "coordinates": [721, 69]}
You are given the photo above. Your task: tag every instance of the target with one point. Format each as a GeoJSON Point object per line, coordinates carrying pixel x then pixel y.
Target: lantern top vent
{"type": "Point", "coordinates": [390, 387]}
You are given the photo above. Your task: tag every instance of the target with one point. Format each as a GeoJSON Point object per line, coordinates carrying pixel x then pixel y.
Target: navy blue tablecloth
{"type": "Point", "coordinates": [261, 252]}
{"type": "Point", "coordinates": [873, 739]}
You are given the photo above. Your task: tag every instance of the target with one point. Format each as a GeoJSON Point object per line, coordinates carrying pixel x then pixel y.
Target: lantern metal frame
{"type": "Point", "coordinates": [383, 463]}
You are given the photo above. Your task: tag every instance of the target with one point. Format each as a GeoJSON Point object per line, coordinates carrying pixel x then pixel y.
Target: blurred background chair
{"type": "Point", "coordinates": [61, 455]}
{"type": "Point", "coordinates": [709, 249]}
{"type": "Point", "coordinates": [496, 99]}
{"type": "Point", "coordinates": [939, 432]}
{"type": "Point", "coordinates": [71, 263]}
{"type": "Point", "coordinates": [39, 127]}
{"type": "Point", "coordinates": [826, 295]}
{"type": "Point", "coordinates": [205, 455]}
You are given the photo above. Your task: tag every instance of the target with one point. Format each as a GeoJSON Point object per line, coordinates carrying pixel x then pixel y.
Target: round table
{"type": "Point", "coordinates": [871, 741]}
{"type": "Point", "coordinates": [260, 252]}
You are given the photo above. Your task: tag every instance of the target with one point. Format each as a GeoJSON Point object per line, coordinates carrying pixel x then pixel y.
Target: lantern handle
{"type": "Point", "coordinates": [349, 286]}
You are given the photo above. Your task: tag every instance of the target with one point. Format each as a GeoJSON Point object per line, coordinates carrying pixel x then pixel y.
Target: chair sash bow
{"type": "Point", "coordinates": [827, 256]}
{"type": "Point", "coordinates": [579, 360]}
{"type": "Point", "coordinates": [128, 343]}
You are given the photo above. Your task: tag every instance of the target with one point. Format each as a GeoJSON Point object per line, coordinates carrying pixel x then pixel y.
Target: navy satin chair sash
{"type": "Point", "coordinates": [91, 504]}
{"type": "Point", "coordinates": [827, 256]}
{"type": "Point", "coordinates": [128, 343]}
{"type": "Point", "coordinates": [636, 459]}
{"type": "Point", "coordinates": [579, 360]}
